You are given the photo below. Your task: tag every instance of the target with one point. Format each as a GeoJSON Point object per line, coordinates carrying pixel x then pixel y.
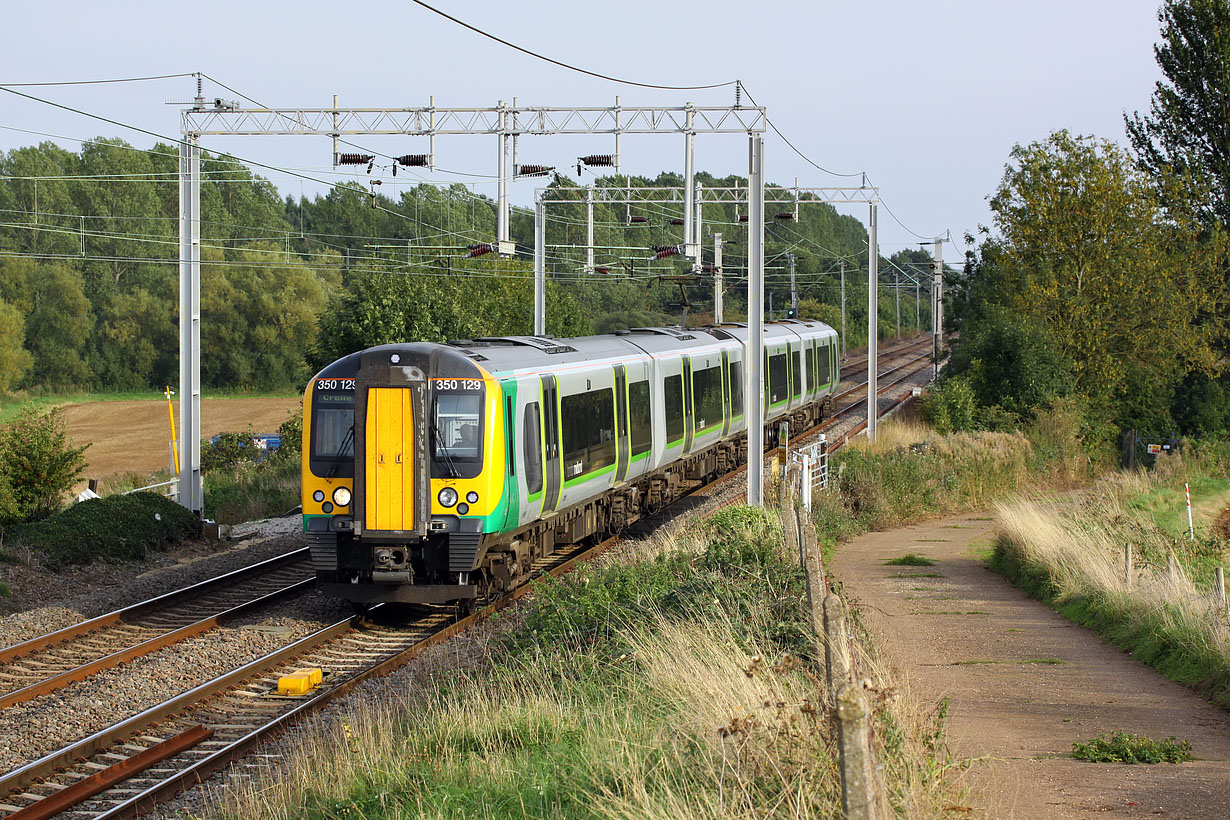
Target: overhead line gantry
{"type": "Point", "coordinates": [507, 122]}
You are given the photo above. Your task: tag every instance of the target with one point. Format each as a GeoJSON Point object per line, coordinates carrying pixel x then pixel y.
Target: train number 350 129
{"type": "Point", "coordinates": [459, 384]}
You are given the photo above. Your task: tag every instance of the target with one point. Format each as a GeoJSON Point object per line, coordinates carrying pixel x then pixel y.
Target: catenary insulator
{"type": "Point", "coordinates": [743, 217]}
{"type": "Point", "coordinates": [480, 250]}
{"type": "Point", "coordinates": [534, 170]}
{"type": "Point", "coordinates": [354, 159]}
{"type": "Point", "coordinates": [599, 160]}
{"type": "Point", "coordinates": [413, 160]}
{"type": "Point", "coordinates": [663, 251]}
{"type": "Point", "coordinates": [676, 220]}
{"type": "Point", "coordinates": [786, 215]}
{"type": "Point", "coordinates": [602, 270]}
{"type": "Point", "coordinates": [636, 218]}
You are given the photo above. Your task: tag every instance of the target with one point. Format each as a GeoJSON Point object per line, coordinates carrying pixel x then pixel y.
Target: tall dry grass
{"type": "Point", "coordinates": [687, 704]}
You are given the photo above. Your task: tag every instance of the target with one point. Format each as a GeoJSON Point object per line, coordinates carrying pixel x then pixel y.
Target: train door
{"type": "Point", "coordinates": [390, 468]}
{"type": "Point", "coordinates": [726, 413]}
{"type": "Point", "coordinates": [623, 452]}
{"type": "Point", "coordinates": [689, 416]}
{"type": "Point", "coordinates": [552, 469]}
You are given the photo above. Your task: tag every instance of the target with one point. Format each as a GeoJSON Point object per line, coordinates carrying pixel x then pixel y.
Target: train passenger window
{"type": "Point", "coordinates": [588, 424]}
{"type": "Point", "coordinates": [796, 378]}
{"type": "Point", "coordinates": [822, 372]}
{"type": "Point", "coordinates": [707, 390]}
{"type": "Point", "coordinates": [640, 417]}
{"type": "Point", "coordinates": [777, 378]}
{"type": "Point", "coordinates": [672, 396]}
{"type": "Point", "coordinates": [736, 389]}
{"type": "Point", "coordinates": [533, 448]}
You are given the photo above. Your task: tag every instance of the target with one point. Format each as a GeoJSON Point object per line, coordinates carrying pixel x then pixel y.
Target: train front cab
{"type": "Point", "coordinates": [410, 447]}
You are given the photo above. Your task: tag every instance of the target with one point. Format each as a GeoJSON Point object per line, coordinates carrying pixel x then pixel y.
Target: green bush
{"type": "Point", "coordinates": [226, 451]}
{"type": "Point", "coordinates": [950, 407]}
{"type": "Point", "coordinates": [115, 528]}
{"type": "Point", "coordinates": [1011, 361]}
{"type": "Point", "coordinates": [38, 464]}
{"type": "Point", "coordinates": [249, 492]}
{"type": "Point", "coordinates": [741, 577]}
{"type": "Point", "coordinates": [291, 432]}
{"type": "Point", "coordinates": [1124, 747]}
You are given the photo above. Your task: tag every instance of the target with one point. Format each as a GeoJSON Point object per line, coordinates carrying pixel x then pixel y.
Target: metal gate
{"type": "Point", "coordinates": [812, 462]}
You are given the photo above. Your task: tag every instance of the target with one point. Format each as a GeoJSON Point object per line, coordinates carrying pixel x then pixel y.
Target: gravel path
{"type": "Point", "coordinates": [1025, 684]}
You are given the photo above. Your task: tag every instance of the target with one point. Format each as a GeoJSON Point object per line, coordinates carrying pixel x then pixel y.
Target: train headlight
{"type": "Point", "coordinates": [318, 496]}
{"type": "Point", "coordinates": [447, 497]}
{"type": "Point", "coordinates": [472, 497]}
{"type": "Point", "coordinates": [341, 497]}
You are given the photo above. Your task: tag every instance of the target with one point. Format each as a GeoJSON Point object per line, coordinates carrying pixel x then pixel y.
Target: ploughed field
{"type": "Point", "coordinates": [132, 436]}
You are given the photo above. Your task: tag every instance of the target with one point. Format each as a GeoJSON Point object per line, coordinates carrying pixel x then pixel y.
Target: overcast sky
{"type": "Point", "coordinates": [926, 98]}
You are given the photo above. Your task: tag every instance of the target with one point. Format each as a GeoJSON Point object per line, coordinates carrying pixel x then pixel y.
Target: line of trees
{"type": "Point", "coordinates": [89, 281]}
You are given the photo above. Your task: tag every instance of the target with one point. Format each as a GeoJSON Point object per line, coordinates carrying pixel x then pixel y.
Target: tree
{"type": "Point", "coordinates": [58, 318]}
{"type": "Point", "coordinates": [1184, 139]}
{"type": "Point", "coordinates": [259, 318]}
{"type": "Point", "coordinates": [1009, 359]}
{"type": "Point", "coordinates": [1133, 300]}
{"type": "Point", "coordinates": [15, 360]}
{"type": "Point", "coordinates": [39, 463]}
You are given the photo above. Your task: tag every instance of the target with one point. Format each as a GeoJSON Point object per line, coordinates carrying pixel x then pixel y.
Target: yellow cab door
{"type": "Point", "coordinates": [390, 459]}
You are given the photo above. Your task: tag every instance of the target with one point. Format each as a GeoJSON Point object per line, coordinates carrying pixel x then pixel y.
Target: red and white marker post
{"type": "Point", "coordinates": [1191, 530]}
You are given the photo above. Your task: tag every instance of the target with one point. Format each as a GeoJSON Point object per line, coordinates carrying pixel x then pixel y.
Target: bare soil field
{"type": "Point", "coordinates": [132, 436]}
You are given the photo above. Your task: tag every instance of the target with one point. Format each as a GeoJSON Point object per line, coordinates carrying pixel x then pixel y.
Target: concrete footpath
{"type": "Point", "coordinates": [1025, 683]}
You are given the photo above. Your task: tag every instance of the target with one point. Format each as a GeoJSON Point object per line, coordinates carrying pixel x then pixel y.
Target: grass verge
{"type": "Point", "coordinates": [1072, 558]}
{"type": "Point", "coordinates": [912, 472]}
{"type": "Point", "coordinates": [677, 683]}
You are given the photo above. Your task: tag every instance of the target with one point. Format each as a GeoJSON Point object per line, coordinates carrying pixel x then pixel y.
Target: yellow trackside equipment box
{"type": "Point", "coordinates": [299, 682]}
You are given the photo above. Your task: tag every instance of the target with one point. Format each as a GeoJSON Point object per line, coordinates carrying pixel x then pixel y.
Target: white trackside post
{"type": "Point", "coordinates": [1191, 529]}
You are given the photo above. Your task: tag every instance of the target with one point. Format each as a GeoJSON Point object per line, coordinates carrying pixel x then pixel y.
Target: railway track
{"type": "Point", "coordinates": [894, 349]}
{"type": "Point", "coordinates": [49, 662]}
{"type": "Point", "coordinates": [130, 767]}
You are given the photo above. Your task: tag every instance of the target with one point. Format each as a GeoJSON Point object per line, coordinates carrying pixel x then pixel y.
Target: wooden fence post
{"type": "Point", "coordinates": [809, 557]}
{"type": "Point", "coordinates": [1219, 589]}
{"type": "Point", "coordinates": [837, 659]}
{"type": "Point", "coordinates": [858, 797]}
{"type": "Point", "coordinates": [1171, 574]}
{"type": "Point", "coordinates": [1127, 565]}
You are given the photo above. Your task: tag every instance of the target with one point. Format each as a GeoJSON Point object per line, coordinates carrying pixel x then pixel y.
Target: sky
{"type": "Point", "coordinates": [927, 99]}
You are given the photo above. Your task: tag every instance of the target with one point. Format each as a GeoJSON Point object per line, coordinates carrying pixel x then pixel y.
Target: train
{"type": "Point", "coordinates": [440, 473]}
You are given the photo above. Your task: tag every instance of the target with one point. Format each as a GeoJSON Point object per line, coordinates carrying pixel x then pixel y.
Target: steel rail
{"type": "Point", "coordinates": [159, 602]}
{"type": "Point", "coordinates": [150, 646]}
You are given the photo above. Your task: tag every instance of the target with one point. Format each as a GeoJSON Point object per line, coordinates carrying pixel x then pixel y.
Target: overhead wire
{"type": "Point", "coordinates": [569, 66]}
{"type": "Point", "coordinates": [101, 82]}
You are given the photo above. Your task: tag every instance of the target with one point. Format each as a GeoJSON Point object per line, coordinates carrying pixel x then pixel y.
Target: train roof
{"type": "Point", "coordinates": [504, 353]}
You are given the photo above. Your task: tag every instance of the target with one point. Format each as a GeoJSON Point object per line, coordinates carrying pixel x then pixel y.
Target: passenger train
{"type": "Point", "coordinates": [440, 473]}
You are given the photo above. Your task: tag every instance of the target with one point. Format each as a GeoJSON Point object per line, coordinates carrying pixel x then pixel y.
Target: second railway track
{"type": "Point", "coordinates": [49, 662]}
